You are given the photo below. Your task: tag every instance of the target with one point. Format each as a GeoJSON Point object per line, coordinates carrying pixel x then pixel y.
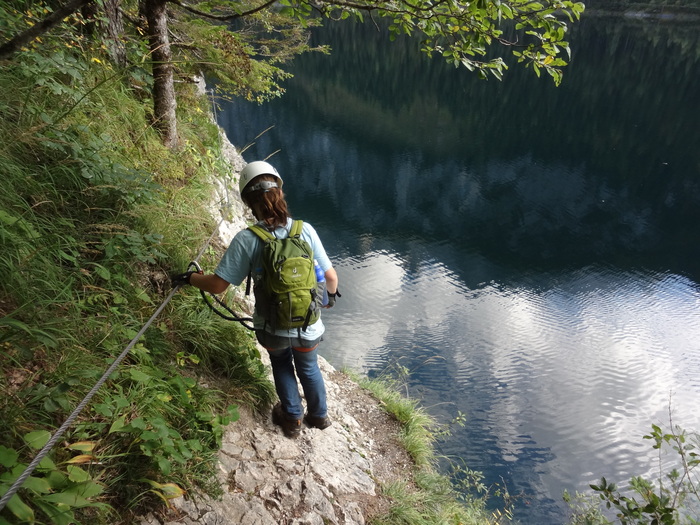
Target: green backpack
{"type": "Point", "coordinates": [286, 295]}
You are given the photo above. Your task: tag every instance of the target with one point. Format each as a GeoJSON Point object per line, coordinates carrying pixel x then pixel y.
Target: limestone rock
{"type": "Point", "coordinates": [321, 477]}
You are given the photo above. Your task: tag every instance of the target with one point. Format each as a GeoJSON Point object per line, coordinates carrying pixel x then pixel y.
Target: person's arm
{"type": "Point", "coordinates": [211, 282]}
{"type": "Point", "coordinates": [331, 287]}
{"type": "Point", "coordinates": [331, 280]}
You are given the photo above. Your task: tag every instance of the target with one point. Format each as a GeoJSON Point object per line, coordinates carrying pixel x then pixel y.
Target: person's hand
{"type": "Point", "coordinates": [331, 298]}
{"type": "Point", "coordinates": [181, 279]}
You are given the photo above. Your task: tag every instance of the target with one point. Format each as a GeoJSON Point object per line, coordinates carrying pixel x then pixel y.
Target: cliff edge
{"type": "Point", "coordinates": [323, 476]}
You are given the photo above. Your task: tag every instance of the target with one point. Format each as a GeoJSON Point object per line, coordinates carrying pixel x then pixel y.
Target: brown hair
{"type": "Point", "coordinates": [267, 205]}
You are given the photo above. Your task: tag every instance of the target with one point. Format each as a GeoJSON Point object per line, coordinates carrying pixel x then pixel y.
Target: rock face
{"type": "Point", "coordinates": [321, 477]}
{"type": "Point", "coordinates": [330, 476]}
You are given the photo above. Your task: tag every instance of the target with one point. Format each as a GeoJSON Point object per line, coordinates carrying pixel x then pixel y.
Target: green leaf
{"type": "Point", "coordinates": [67, 257]}
{"type": "Point", "coordinates": [37, 439]}
{"type": "Point", "coordinates": [139, 376]}
{"type": "Point", "coordinates": [77, 474]}
{"type": "Point", "coordinates": [67, 498]}
{"type": "Point", "coordinates": [103, 409]}
{"type": "Point", "coordinates": [46, 465]}
{"type": "Point", "coordinates": [138, 423]}
{"type": "Point", "coordinates": [103, 272]}
{"type": "Point", "coordinates": [12, 220]}
{"type": "Point", "coordinates": [8, 457]}
{"type": "Point", "coordinates": [57, 479]}
{"type": "Point", "coordinates": [50, 405]}
{"type": "Point", "coordinates": [20, 509]}
{"type": "Point", "coordinates": [58, 516]}
{"type": "Point", "coordinates": [121, 402]}
{"type": "Point", "coordinates": [195, 445]}
{"type": "Point", "coordinates": [233, 413]}
{"type": "Point", "coordinates": [38, 485]}
{"type": "Point", "coordinates": [164, 465]}
{"type": "Point", "coordinates": [205, 416]}
{"type": "Point", "coordinates": [118, 425]}
{"type": "Point", "coordinates": [149, 435]}
{"type": "Point", "coordinates": [143, 296]}
{"type": "Point", "coordinates": [88, 489]}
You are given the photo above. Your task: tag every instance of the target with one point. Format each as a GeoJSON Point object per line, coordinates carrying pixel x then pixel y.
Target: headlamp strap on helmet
{"type": "Point", "coordinates": [265, 185]}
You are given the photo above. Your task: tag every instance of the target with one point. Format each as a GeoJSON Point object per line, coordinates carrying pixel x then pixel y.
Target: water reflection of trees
{"type": "Point", "coordinates": [605, 164]}
{"type": "Point", "coordinates": [398, 90]}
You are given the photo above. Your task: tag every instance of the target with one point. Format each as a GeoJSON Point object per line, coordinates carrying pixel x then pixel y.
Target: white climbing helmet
{"type": "Point", "coordinates": [253, 169]}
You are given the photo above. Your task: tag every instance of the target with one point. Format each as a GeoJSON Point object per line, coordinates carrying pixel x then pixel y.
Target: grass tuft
{"type": "Point", "coordinates": [429, 498]}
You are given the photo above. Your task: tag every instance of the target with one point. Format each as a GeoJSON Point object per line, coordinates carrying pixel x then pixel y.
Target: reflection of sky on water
{"type": "Point", "coordinates": [571, 376]}
{"type": "Point", "coordinates": [365, 317]}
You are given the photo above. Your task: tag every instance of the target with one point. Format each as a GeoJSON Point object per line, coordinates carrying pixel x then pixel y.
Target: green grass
{"type": "Point", "coordinates": [94, 215]}
{"type": "Point", "coordinates": [427, 497]}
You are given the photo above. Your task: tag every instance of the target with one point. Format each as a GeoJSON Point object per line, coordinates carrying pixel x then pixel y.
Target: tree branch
{"type": "Point", "coordinates": [15, 44]}
{"type": "Point", "coordinates": [389, 7]}
{"type": "Point", "coordinates": [222, 18]}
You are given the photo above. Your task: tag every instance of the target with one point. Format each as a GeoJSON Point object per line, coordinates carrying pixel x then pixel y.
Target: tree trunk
{"type": "Point", "coordinates": [164, 102]}
{"type": "Point", "coordinates": [114, 32]}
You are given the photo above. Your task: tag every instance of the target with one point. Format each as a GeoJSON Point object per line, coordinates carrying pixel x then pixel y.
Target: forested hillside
{"type": "Point", "coordinates": [657, 6]}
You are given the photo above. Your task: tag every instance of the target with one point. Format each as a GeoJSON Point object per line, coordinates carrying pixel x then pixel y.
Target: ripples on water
{"type": "Point", "coordinates": [559, 384]}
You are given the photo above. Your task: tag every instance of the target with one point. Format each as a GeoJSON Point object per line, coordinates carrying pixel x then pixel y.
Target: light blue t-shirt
{"type": "Point", "coordinates": [244, 255]}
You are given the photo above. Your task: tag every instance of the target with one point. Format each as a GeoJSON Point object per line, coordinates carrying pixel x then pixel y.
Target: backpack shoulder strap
{"type": "Point", "coordinates": [296, 228]}
{"type": "Point", "coordinates": [266, 237]}
{"type": "Point", "coordinates": [261, 232]}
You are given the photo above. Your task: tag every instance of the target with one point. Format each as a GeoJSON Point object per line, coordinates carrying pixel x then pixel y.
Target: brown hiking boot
{"type": "Point", "coordinates": [290, 427]}
{"type": "Point", "coordinates": [317, 422]}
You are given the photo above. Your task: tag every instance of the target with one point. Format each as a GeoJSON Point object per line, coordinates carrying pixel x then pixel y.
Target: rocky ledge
{"type": "Point", "coordinates": [323, 476]}
{"type": "Point", "coordinates": [331, 476]}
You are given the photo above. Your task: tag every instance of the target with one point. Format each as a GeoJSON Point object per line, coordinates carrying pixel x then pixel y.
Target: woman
{"type": "Point", "coordinates": [292, 352]}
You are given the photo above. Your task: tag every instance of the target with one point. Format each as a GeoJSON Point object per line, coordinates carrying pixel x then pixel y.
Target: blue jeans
{"type": "Point", "coordinates": [292, 358]}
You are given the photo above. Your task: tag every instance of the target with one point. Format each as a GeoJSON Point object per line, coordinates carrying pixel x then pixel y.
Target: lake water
{"type": "Point", "coordinates": [530, 254]}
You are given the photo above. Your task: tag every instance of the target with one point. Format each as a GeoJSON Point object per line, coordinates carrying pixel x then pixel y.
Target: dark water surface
{"type": "Point", "coordinates": [530, 254]}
